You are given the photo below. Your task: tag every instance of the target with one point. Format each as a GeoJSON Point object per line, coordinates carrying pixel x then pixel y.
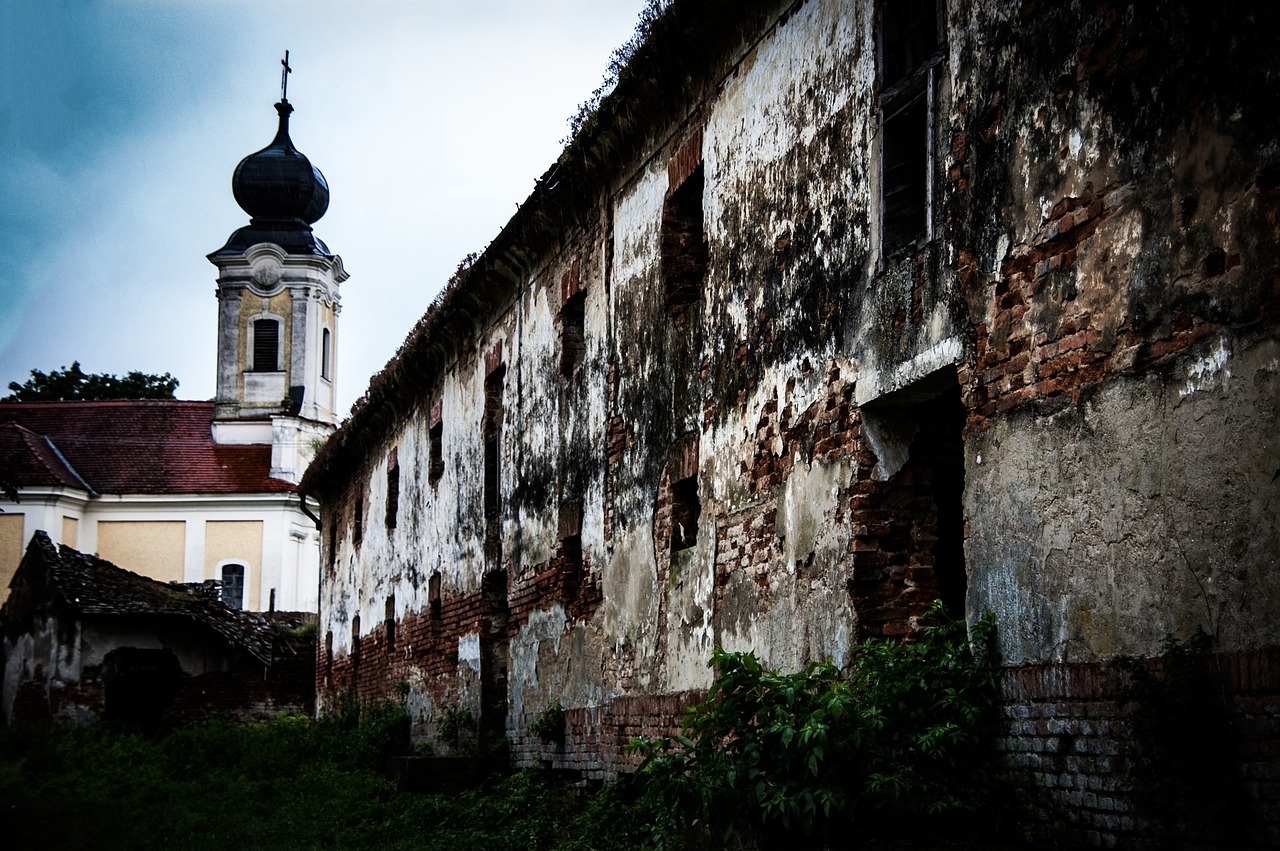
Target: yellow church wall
{"type": "Point", "coordinates": [11, 547]}
{"type": "Point", "coordinates": [279, 305]}
{"type": "Point", "coordinates": [154, 548]}
{"type": "Point", "coordinates": [240, 540]}
{"type": "Point", "coordinates": [71, 532]}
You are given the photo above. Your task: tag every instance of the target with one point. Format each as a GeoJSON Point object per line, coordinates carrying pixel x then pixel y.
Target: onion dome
{"type": "Point", "coordinates": [283, 193]}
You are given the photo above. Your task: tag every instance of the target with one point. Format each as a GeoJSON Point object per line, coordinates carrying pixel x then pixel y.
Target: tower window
{"type": "Point", "coordinates": [326, 348]}
{"type": "Point", "coordinates": [233, 585]}
{"type": "Point", "coordinates": [266, 345]}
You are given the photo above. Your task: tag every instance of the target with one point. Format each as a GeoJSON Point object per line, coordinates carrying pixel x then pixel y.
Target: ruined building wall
{"type": "Point", "coordinates": [753, 400]}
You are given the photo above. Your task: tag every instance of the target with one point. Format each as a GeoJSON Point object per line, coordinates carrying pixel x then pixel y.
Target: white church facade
{"type": "Point", "coordinates": [188, 491]}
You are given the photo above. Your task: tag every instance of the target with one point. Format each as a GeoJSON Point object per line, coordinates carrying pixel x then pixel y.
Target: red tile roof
{"type": "Point", "coordinates": [151, 447]}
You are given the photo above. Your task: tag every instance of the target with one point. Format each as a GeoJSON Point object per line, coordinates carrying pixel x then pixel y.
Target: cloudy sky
{"type": "Point", "coordinates": [121, 122]}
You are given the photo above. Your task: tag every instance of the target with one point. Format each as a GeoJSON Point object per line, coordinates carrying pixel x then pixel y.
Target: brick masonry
{"type": "Point", "coordinates": [1070, 730]}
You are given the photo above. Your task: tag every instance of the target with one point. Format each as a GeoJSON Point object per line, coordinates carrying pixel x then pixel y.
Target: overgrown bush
{"type": "Point", "coordinates": [904, 739]}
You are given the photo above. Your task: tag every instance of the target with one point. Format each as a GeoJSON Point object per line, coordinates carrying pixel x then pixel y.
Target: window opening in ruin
{"type": "Point", "coordinates": [571, 565]}
{"type": "Point", "coordinates": [357, 529]}
{"type": "Point", "coordinates": [390, 622]}
{"type": "Point", "coordinates": [433, 596]}
{"type": "Point", "coordinates": [492, 434]}
{"type": "Point", "coordinates": [436, 468]}
{"type": "Point", "coordinates": [685, 509]}
{"type": "Point", "coordinates": [393, 490]}
{"type": "Point", "coordinates": [684, 252]}
{"type": "Point", "coordinates": [355, 641]}
{"type": "Point", "coordinates": [939, 447]}
{"type": "Point", "coordinates": [326, 338]}
{"type": "Point", "coordinates": [140, 684]}
{"type": "Point", "coordinates": [573, 333]}
{"type": "Point", "coordinates": [233, 585]}
{"type": "Point", "coordinates": [328, 653]}
{"type": "Point", "coordinates": [910, 49]}
{"type": "Point", "coordinates": [266, 345]}
{"type": "Point", "coordinates": [905, 173]}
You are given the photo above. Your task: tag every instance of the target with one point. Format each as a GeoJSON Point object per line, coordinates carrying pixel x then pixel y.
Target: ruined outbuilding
{"type": "Point", "coordinates": [832, 309]}
{"type": "Point", "coordinates": [84, 639]}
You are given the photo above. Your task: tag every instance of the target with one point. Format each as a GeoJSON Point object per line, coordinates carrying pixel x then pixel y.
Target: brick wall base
{"type": "Point", "coordinates": [1195, 767]}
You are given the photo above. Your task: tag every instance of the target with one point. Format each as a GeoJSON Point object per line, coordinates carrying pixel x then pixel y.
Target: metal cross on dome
{"type": "Point", "coordinates": [284, 78]}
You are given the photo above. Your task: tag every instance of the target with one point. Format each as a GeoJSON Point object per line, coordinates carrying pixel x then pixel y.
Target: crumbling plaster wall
{"type": "Point", "coordinates": [1102, 287]}
{"type": "Point", "coordinates": [1115, 219]}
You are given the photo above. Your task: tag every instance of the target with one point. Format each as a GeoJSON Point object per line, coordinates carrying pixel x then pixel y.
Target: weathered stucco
{"type": "Point", "coordinates": [1056, 404]}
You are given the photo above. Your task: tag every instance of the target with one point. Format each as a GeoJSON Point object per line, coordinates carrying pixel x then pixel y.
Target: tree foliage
{"type": "Point", "coordinates": [73, 383]}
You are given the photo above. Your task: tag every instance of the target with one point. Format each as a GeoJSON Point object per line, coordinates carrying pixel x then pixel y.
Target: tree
{"type": "Point", "coordinates": [73, 383]}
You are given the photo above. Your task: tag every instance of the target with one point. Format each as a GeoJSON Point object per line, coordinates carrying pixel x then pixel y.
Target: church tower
{"type": "Point", "coordinates": [278, 304]}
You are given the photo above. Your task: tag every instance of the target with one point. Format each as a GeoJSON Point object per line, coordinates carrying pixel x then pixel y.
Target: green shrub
{"type": "Point", "coordinates": [904, 736]}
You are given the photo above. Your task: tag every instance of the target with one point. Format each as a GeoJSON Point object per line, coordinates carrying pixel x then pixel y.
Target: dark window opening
{"type": "Point", "coordinates": [685, 509]}
{"type": "Point", "coordinates": [355, 641]}
{"type": "Point", "coordinates": [433, 596]}
{"type": "Point", "coordinates": [328, 653]}
{"type": "Point", "coordinates": [393, 493]}
{"type": "Point", "coordinates": [910, 37]}
{"type": "Point", "coordinates": [573, 333]}
{"type": "Point", "coordinates": [436, 468]}
{"type": "Point", "coordinates": [940, 446]}
{"type": "Point", "coordinates": [233, 585]}
{"type": "Point", "coordinates": [571, 569]}
{"type": "Point", "coordinates": [910, 41]}
{"type": "Point", "coordinates": [325, 355]}
{"type": "Point", "coordinates": [905, 155]}
{"type": "Point", "coordinates": [390, 622]}
{"type": "Point", "coordinates": [266, 345]}
{"type": "Point", "coordinates": [357, 528]}
{"type": "Point", "coordinates": [140, 684]}
{"type": "Point", "coordinates": [684, 251]}
{"type": "Point", "coordinates": [492, 433]}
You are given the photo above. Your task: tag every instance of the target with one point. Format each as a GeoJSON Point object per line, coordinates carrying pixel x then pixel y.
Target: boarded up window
{"type": "Point", "coordinates": [266, 345]}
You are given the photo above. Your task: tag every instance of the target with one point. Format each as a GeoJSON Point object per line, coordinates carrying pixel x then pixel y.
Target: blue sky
{"type": "Point", "coordinates": [121, 122]}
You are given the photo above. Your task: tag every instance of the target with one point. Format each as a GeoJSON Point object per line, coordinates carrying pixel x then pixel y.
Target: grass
{"type": "Point", "coordinates": [292, 783]}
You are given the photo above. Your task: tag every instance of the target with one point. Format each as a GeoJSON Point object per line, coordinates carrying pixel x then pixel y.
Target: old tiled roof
{"type": "Point", "coordinates": [93, 586]}
{"type": "Point", "coordinates": [129, 447]}
{"type": "Point", "coordinates": [30, 458]}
